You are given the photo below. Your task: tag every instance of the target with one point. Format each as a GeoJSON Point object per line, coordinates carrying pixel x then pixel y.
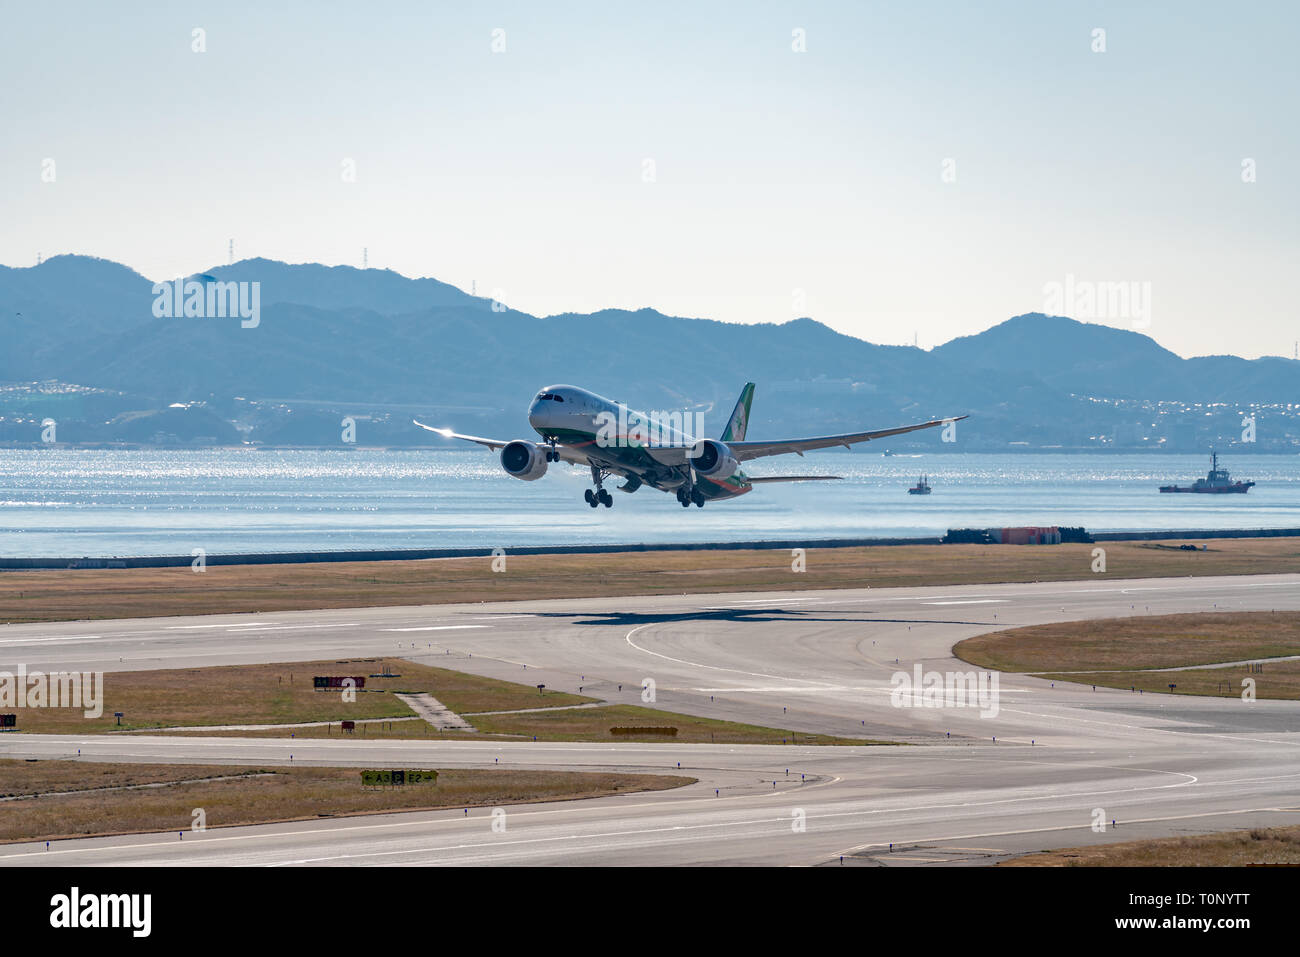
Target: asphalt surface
{"type": "Point", "coordinates": [974, 787]}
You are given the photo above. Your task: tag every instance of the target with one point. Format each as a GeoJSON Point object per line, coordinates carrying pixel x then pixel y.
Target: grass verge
{"type": "Point", "coordinates": [1129, 644]}
{"type": "Point", "coordinates": [282, 694]}
{"type": "Point", "coordinates": [593, 724]}
{"type": "Point", "coordinates": [62, 799]}
{"type": "Point", "coordinates": [1279, 680]}
{"type": "Point", "coordinates": [576, 724]}
{"type": "Point", "coordinates": [1138, 652]}
{"type": "Point", "coordinates": [1276, 845]}
{"type": "Point", "coordinates": [149, 592]}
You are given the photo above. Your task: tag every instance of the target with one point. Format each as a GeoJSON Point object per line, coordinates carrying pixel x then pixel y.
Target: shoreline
{"type": "Point", "coordinates": [482, 551]}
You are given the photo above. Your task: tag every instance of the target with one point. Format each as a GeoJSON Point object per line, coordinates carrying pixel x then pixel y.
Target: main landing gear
{"type": "Point", "coordinates": [686, 496]}
{"type": "Point", "coordinates": [600, 496]}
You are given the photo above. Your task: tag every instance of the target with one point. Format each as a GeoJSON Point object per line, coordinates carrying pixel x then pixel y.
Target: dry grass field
{"type": "Point", "coordinates": [58, 595]}
{"type": "Point", "coordinates": [47, 800]}
{"type": "Point", "coordinates": [1135, 652]}
{"type": "Point", "coordinates": [586, 724]}
{"type": "Point", "coordinates": [1126, 644]}
{"type": "Point", "coordinates": [593, 724]}
{"type": "Point", "coordinates": [1278, 845]}
{"type": "Point", "coordinates": [1279, 679]}
{"type": "Point", "coordinates": [282, 694]}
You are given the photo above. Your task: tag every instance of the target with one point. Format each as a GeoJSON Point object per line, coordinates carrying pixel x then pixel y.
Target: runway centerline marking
{"type": "Point", "coordinates": [257, 631]}
{"type": "Point", "coordinates": [32, 641]}
{"type": "Point", "coordinates": [969, 601]}
{"type": "Point", "coordinates": [437, 628]}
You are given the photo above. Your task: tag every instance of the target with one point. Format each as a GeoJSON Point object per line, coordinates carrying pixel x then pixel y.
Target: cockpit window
{"type": "Point", "coordinates": [550, 395]}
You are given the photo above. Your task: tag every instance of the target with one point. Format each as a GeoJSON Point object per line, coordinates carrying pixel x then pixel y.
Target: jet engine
{"type": "Point", "coordinates": [713, 459]}
{"type": "Point", "coordinates": [523, 460]}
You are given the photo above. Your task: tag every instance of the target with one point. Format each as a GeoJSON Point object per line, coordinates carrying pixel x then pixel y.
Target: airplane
{"type": "Point", "coordinates": [584, 428]}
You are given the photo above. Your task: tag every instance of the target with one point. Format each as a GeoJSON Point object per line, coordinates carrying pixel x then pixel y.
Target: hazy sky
{"type": "Point", "coordinates": [784, 183]}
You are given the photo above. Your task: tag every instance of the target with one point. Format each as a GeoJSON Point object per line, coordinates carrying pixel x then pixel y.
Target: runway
{"type": "Point", "coordinates": [1064, 757]}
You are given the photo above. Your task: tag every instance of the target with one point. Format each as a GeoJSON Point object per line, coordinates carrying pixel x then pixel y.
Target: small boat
{"type": "Point", "coordinates": [1217, 482]}
{"type": "Point", "coordinates": [922, 487]}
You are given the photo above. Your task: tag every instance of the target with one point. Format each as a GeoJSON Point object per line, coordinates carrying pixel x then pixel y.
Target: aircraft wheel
{"type": "Point", "coordinates": [699, 503]}
{"type": "Point", "coordinates": [590, 498]}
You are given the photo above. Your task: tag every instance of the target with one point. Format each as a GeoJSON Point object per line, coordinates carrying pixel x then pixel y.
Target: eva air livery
{"type": "Point", "coordinates": [654, 449]}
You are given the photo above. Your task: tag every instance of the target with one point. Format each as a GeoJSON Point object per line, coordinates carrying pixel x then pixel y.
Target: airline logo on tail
{"type": "Point", "coordinates": [739, 421]}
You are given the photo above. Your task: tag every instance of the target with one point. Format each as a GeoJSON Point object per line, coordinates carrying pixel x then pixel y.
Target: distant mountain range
{"type": "Point", "coordinates": [84, 347]}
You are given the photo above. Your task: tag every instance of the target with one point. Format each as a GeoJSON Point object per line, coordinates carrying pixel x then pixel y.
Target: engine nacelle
{"type": "Point", "coordinates": [523, 460]}
{"type": "Point", "coordinates": [713, 459]}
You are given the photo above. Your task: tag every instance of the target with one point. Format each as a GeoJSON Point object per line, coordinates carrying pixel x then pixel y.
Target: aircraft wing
{"type": "Point", "coordinates": [493, 444]}
{"type": "Point", "coordinates": [567, 454]}
{"type": "Point", "coordinates": [743, 451]}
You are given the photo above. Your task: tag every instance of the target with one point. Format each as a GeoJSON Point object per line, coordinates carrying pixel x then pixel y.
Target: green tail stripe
{"type": "Point", "coordinates": [738, 424]}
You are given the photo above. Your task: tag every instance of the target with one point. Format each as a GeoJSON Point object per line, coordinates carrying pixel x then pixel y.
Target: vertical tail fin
{"type": "Point", "coordinates": [739, 421]}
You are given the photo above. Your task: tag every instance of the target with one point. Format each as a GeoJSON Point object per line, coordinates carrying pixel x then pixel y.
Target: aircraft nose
{"type": "Point", "coordinates": [536, 413]}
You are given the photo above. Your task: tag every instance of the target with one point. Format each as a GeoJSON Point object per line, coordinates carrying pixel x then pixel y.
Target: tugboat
{"type": "Point", "coordinates": [1218, 481]}
{"type": "Point", "coordinates": [922, 487]}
